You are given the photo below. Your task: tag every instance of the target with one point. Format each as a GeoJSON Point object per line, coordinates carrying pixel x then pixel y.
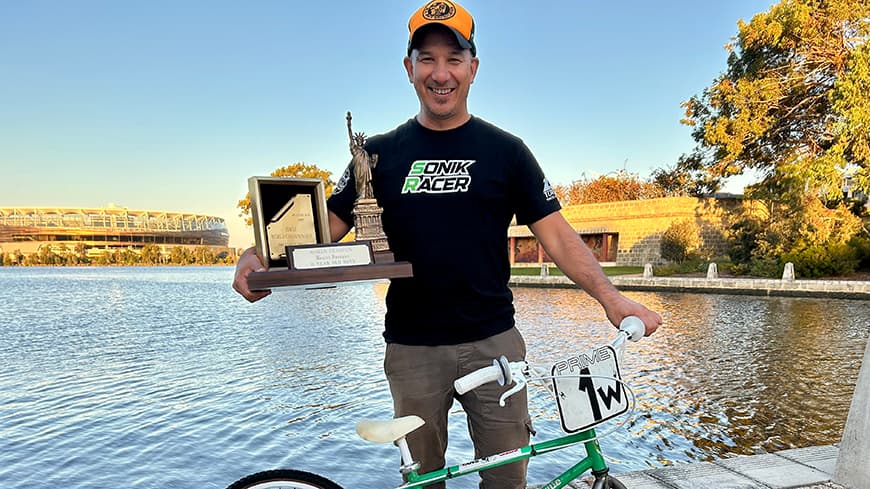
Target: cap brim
{"type": "Point", "coordinates": [463, 42]}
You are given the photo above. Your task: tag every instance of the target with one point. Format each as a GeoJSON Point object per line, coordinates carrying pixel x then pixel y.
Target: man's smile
{"type": "Point", "coordinates": [442, 91]}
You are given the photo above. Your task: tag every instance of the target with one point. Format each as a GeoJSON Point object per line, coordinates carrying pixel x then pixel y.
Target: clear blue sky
{"type": "Point", "coordinates": [172, 105]}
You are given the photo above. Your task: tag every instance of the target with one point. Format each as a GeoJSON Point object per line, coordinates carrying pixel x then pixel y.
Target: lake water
{"type": "Point", "coordinates": [165, 378]}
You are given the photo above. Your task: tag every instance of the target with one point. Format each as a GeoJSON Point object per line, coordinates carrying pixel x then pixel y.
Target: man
{"type": "Point", "coordinates": [449, 184]}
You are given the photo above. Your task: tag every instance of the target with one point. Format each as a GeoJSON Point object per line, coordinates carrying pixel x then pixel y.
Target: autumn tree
{"type": "Point", "coordinates": [150, 254]}
{"type": "Point", "coordinates": [202, 255]}
{"type": "Point", "coordinates": [298, 170]}
{"type": "Point", "coordinates": [621, 185]}
{"type": "Point", "coordinates": [793, 106]}
{"type": "Point", "coordinates": [794, 103]}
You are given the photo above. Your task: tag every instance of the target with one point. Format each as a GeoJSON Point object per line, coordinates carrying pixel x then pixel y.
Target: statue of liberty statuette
{"type": "Point", "coordinates": [363, 163]}
{"type": "Point", "coordinates": [366, 212]}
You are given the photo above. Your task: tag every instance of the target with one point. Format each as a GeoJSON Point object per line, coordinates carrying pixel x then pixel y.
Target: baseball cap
{"type": "Point", "coordinates": [446, 13]}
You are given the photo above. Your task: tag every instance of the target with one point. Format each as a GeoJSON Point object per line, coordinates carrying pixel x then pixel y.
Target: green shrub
{"type": "Point", "coordinates": [666, 270]}
{"type": "Point", "coordinates": [723, 264]}
{"type": "Point", "coordinates": [766, 267]}
{"type": "Point", "coordinates": [861, 245]}
{"type": "Point", "coordinates": [824, 260]}
{"type": "Point", "coordinates": [743, 240]}
{"type": "Point", "coordinates": [738, 269]}
{"type": "Point", "coordinates": [692, 265]}
{"type": "Point", "coordinates": [680, 241]}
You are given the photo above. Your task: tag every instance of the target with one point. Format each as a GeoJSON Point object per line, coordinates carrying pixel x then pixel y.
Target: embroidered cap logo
{"type": "Point", "coordinates": [439, 11]}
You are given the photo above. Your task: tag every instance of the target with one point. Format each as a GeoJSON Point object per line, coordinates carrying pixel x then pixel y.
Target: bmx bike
{"type": "Point", "coordinates": [588, 390]}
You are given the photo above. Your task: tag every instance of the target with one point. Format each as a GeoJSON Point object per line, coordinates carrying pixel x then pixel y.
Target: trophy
{"type": "Point", "coordinates": [291, 230]}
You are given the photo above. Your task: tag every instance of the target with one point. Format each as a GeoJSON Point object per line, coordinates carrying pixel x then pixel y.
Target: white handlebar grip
{"type": "Point", "coordinates": [633, 327]}
{"type": "Point", "coordinates": [477, 378]}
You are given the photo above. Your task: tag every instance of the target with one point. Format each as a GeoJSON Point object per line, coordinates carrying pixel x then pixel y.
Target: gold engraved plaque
{"type": "Point", "coordinates": [287, 211]}
{"type": "Point", "coordinates": [292, 225]}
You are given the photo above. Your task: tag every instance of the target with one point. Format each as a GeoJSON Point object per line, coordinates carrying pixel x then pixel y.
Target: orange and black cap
{"type": "Point", "coordinates": [449, 14]}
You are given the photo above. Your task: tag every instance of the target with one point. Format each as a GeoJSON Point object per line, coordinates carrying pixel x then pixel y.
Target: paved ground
{"type": "Point", "coordinates": [789, 469]}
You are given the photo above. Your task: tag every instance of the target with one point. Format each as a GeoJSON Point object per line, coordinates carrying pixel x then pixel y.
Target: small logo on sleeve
{"type": "Point", "coordinates": [342, 182]}
{"type": "Point", "coordinates": [438, 177]}
{"type": "Point", "coordinates": [549, 193]}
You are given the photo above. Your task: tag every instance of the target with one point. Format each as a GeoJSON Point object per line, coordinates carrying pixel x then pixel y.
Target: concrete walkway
{"type": "Point", "coordinates": [844, 289]}
{"type": "Point", "coordinates": [789, 469]}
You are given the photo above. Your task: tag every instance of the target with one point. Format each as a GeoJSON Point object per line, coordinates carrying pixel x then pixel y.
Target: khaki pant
{"type": "Point", "coordinates": [421, 381]}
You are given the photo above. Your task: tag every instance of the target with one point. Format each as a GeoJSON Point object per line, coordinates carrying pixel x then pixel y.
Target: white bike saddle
{"type": "Point", "coordinates": [388, 431]}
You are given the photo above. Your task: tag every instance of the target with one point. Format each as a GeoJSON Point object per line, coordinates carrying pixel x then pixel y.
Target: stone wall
{"type": "Point", "coordinates": [640, 224]}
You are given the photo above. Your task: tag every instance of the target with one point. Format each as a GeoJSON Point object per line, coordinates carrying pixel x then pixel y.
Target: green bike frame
{"type": "Point", "coordinates": [593, 460]}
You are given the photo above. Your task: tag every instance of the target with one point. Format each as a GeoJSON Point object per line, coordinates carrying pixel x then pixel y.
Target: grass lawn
{"type": "Point", "coordinates": [609, 271]}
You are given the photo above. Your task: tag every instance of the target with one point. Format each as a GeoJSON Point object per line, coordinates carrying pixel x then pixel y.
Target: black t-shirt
{"type": "Point", "coordinates": [448, 199]}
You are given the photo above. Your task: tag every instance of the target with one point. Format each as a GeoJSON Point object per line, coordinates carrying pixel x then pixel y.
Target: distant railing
{"type": "Point", "coordinates": [109, 218]}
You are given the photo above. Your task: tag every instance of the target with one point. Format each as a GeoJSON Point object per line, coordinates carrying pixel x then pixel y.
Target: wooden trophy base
{"type": "Point", "coordinates": [317, 264]}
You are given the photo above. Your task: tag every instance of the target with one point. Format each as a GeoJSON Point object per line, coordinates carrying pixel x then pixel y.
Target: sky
{"type": "Point", "coordinates": [172, 105]}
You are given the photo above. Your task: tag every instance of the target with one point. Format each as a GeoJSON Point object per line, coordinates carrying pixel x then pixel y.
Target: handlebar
{"type": "Point", "coordinates": [500, 371]}
{"type": "Point", "coordinates": [631, 328]}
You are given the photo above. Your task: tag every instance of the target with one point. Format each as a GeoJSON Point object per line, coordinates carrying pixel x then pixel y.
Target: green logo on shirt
{"type": "Point", "coordinates": [438, 177]}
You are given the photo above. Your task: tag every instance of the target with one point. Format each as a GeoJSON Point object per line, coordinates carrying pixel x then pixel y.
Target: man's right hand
{"type": "Point", "coordinates": [248, 262]}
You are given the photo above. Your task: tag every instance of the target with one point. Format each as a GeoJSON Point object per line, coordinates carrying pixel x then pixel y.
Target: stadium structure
{"type": "Point", "coordinates": [27, 229]}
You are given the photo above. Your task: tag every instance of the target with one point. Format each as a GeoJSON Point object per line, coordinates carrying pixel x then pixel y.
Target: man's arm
{"type": "Point", "coordinates": [573, 257]}
{"type": "Point", "coordinates": [337, 227]}
{"type": "Point", "coordinates": [250, 261]}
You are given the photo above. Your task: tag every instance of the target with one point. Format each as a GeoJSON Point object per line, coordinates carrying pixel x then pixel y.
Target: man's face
{"type": "Point", "coordinates": [442, 73]}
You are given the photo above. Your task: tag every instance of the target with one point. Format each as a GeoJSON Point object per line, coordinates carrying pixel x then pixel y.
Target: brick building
{"type": "Point", "coordinates": [630, 232]}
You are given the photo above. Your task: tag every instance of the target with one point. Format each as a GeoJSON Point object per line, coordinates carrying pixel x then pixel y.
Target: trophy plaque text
{"type": "Point", "coordinates": [292, 225]}
{"type": "Point", "coordinates": [291, 230]}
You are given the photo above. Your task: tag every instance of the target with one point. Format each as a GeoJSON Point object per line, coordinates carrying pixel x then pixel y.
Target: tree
{"type": "Point", "coordinates": [150, 254]}
{"type": "Point", "coordinates": [180, 256]}
{"type": "Point", "coordinates": [202, 255]}
{"type": "Point", "coordinates": [614, 187]}
{"type": "Point", "coordinates": [46, 255]}
{"type": "Point", "coordinates": [127, 256]}
{"type": "Point", "coordinates": [81, 253]}
{"type": "Point", "coordinates": [794, 103]}
{"type": "Point", "coordinates": [298, 170]}
{"type": "Point", "coordinates": [680, 241]}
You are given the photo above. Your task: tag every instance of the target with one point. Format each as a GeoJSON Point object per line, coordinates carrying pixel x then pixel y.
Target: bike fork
{"type": "Point", "coordinates": [594, 461]}
{"type": "Point", "coordinates": [600, 481]}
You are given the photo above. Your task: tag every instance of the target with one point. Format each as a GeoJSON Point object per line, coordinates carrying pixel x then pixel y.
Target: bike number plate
{"type": "Point", "coordinates": [587, 389]}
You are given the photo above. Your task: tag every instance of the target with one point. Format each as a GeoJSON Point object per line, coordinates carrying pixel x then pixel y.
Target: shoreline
{"type": "Point", "coordinates": [839, 289]}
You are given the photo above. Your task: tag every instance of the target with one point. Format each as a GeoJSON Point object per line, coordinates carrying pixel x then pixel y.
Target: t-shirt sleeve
{"type": "Point", "coordinates": [343, 196]}
{"type": "Point", "coordinates": [535, 197]}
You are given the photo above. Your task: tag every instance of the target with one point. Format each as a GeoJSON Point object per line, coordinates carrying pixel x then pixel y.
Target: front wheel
{"type": "Point", "coordinates": [605, 482]}
{"type": "Point", "coordinates": [284, 479]}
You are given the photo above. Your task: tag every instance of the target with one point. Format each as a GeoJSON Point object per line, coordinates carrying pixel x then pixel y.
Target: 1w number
{"type": "Point", "coordinates": [587, 386]}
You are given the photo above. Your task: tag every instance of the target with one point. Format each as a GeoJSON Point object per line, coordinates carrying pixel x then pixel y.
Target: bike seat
{"type": "Point", "coordinates": [388, 431]}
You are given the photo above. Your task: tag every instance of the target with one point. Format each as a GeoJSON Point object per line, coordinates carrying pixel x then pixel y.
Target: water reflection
{"type": "Point", "coordinates": [725, 375]}
{"type": "Point", "coordinates": [167, 378]}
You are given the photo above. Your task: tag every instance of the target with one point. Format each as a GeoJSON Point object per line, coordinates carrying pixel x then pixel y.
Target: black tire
{"type": "Point", "coordinates": [611, 482]}
{"type": "Point", "coordinates": [284, 479]}
{"type": "Point", "coordinates": [605, 482]}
